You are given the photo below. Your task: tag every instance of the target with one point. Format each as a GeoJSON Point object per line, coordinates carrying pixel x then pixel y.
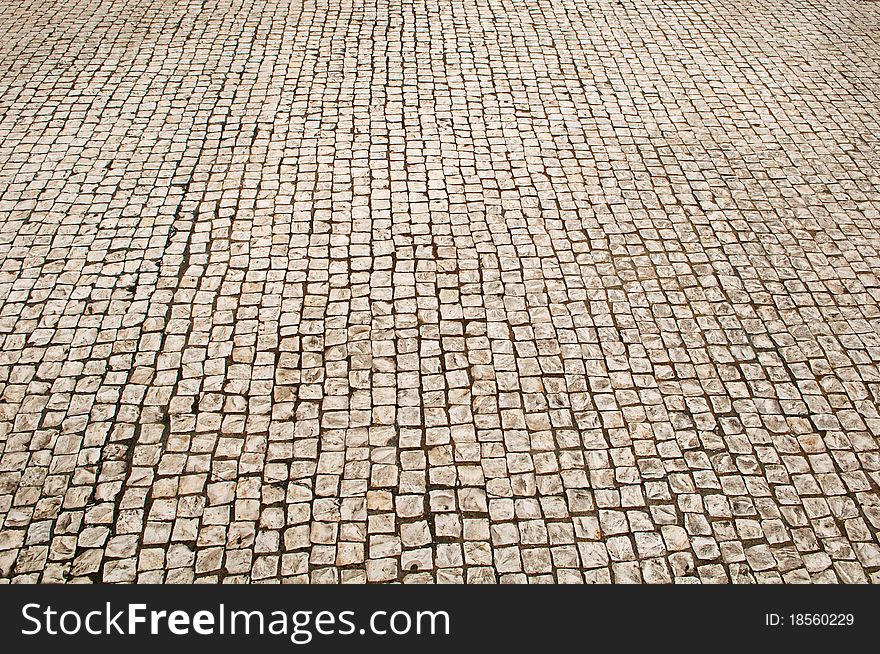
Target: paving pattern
{"type": "Point", "coordinates": [459, 291]}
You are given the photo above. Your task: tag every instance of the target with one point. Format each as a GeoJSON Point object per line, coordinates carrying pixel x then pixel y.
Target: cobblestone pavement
{"type": "Point", "coordinates": [457, 291]}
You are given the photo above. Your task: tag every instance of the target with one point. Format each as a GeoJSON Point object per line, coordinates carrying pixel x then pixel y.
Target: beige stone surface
{"type": "Point", "coordinates": [346, 291]}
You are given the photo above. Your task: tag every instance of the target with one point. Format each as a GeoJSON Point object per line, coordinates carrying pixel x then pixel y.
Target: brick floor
{"type": "Point", "coordinates": [439, 291]}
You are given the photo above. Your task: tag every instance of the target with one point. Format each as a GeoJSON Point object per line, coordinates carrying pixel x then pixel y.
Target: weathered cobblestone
{"type": "Point", "coordinates": [346, 291]}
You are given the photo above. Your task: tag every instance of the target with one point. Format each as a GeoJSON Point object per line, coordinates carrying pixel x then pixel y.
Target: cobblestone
{"type": "Point", "coordinates": [346, 291]}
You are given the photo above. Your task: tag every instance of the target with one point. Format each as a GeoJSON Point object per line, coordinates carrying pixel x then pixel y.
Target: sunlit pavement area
{"type": "Point", "coordinates": [439, 291]}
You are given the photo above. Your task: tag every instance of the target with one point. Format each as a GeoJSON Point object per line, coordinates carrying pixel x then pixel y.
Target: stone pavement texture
{"type": "Point", "coordinates": [439, 291]}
